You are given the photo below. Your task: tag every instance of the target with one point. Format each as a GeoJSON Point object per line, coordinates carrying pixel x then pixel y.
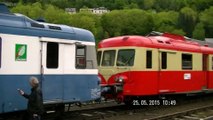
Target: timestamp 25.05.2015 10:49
{"type": "Point", "coordinates": [154, 102]}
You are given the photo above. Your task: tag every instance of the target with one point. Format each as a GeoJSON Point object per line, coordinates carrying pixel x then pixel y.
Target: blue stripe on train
{"type": "Point", "coordinates": [55, 88]}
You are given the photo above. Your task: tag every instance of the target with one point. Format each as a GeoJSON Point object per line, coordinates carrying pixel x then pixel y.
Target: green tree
{"type": "Point", "coordinates": [55, 15]}
{"type": "Point", "coordinates": [120, 4]}
{"type": "Point", "coordinates": [132, 6]}
{"type": "Point", "coordinates": [126, 22]}
{"type": "Point", "coordinates": [187, 20]}
{"type": "Point", "coordinates": [166, 18]}
{"type": "Point", "coordinates": [206, 18]}
{"type": "Point", "coordinates": [59, 3]}
{"type": "Point", "coordinates": [111, 23]}
{"type": "Point", "coordinates": [167, 22]}
{"type": "Point", "coordinates": [22, 9]}
{"type": "Point", "coordinates": [148, 4]}
{"type": "Point", "coordinates": [136, 22]}
{"type": "Point", "coordinates": [199, 32]}
{"type": "Point", "coordinates": [87, 21]}
{"type": "Point", "coordinates": [36, 10]}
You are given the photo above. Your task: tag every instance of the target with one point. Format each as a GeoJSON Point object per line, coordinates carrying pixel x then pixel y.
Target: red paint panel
{"type": "Point", "coordinates": [153, 42]}
{"type": "Point", "coordinates": [142, 83]}
{"type": "Point", "coordinates": [152, 82]}
{"type": "Point", "coordinates": [174, 81]}
{"type": "Point", "coordinates": [210, 80]}
{"type": "Point", "coordinates": [103, 81]}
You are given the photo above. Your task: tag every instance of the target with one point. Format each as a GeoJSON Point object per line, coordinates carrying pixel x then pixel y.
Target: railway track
{"type": "Point", "coordinates": [200, 113]}
{"type": "Point", "coordinates": [186, 109]}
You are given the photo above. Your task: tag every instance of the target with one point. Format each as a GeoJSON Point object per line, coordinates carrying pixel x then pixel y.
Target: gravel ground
{"type": "Point", "coordinates": [154, 111]}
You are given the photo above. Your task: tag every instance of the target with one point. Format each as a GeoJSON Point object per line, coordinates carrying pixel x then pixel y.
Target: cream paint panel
{"type": "Point", "coordinates": [108, 71]}
{"type": "Point", "coordinates": [140, 59]}
{"type": "Point", "coordinates": [9, 65]}
{"type": "Point", "coordinates": [210, 62]}
{"type": "Point", "coordinates": [140, 62]}
{"type": "Point", "coordinates": [197, 61]}
{"type": "Point", "coordinates": [174, 61]}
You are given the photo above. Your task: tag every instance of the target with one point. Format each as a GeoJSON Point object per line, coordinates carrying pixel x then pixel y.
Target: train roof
{"type": "Point", "coordinates": [21, 25]}
{"type": "Point", "coordinates": [162, 41]}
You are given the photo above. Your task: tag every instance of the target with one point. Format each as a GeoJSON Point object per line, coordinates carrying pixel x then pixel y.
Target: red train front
{"type": "Point", "coordinates": [137, 66]}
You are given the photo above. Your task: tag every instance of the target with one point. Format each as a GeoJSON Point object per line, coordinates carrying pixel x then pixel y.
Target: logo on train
{"type": "Point", "coordinates": [21, 52]}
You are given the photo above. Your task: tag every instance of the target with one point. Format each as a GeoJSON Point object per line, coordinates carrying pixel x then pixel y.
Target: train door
{"type": "Point", "coordinates": [51, 70]}
{"type": "Point", "coordinates": [162, 62]}
{"type": "Point", "coordinates": [69, 70]}
{"type": "Point", "coordinates": [205, 70]}
{"type": "Point", "coordinates": [168, 63]}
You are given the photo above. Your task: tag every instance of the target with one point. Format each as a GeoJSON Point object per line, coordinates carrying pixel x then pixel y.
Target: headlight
{"type": "Point", "coordinates": [120, 80]}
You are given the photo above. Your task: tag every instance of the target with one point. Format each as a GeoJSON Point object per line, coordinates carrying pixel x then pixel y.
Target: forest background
{"type": "Point", "coordinates": [192, 18]}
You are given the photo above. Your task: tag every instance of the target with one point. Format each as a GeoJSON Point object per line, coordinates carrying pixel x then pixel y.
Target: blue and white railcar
{"type": "Point", "coordinates": [62, 57]}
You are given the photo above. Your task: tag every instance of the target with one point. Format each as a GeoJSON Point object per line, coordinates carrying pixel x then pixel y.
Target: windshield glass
{"type": "Point", "coordinates": [108, 58]}
{"type": "Point", "coordinates": [126, 57]}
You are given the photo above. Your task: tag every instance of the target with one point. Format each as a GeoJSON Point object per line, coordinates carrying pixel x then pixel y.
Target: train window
{"type": "Point", "coordinates": [99, 57]}
{"type": "Point", "coordinates": [148, 59]}
{"type": "Point", "coordinates": [0, 50]}
{"type": "Point", "coordinates": [126, 57]}
{"type": "Point", "coordinates": [212, 63]}
{"type": "Point", "coordinates": [163, 60]}
{"type": "Point", "coordinates": [108, 58]}
{"type": "Point", "coordinates": [81, 57]}
{"type": "Point", "coordinates": [186, 61]}
{"type": "Point", "coordinates": [52, 55]}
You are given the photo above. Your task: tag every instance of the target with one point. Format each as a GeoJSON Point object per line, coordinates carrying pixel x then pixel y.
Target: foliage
{"type": "Point", "coordinates": [199, 32]}
{"type": "Point", "coordinates": [187, 20]}
{"type": "Point", "coordinates": [192, 18]}
{"type": "Point", "coordinates": [206, 18]}
{"type": "Point", "coordinates": [125, 22]}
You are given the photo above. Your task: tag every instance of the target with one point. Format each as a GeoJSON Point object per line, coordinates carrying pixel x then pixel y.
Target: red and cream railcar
{"type": "Point", "coordinates": [153, 65]}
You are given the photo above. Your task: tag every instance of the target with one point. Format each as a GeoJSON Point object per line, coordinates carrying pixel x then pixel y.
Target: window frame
{"type": "Point", "coordinates": [104, 60]}
{"type": "Point", "coordinates": [0, 51]}
{"type": "Point", "coordinates": [164, 60]}
{"type": "Point", "coordinates": [99, 57]}
{"type": "Point", "coordinates": [78, 57]}
{"type": "Point", "coordinates": [212, 63]}
{"type": "Point", "coordinates": [48, 65]}
{"type": "Point", "coordinates": [128, 58]}
{"type": "Point", "coordinates": [182, 62]}
{"type": "Point", "coordinates": [149, 61]}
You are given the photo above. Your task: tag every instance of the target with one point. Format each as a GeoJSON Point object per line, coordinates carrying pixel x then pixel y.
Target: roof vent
{"type": "Point", "coordinates": [125, 38]}
{"type": "Point", "coordinates": [167, 42]}
{"type": "Point", "coordinates": [160, 41]}
{"type": "Point", "coordinates": [54, 27]}
{"type": "Point", "coordinates": [206, 45]}
{"type": "Point", "coordinates": [40, 19]}
{"type": "Point", "coordinates": [37, 25]}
